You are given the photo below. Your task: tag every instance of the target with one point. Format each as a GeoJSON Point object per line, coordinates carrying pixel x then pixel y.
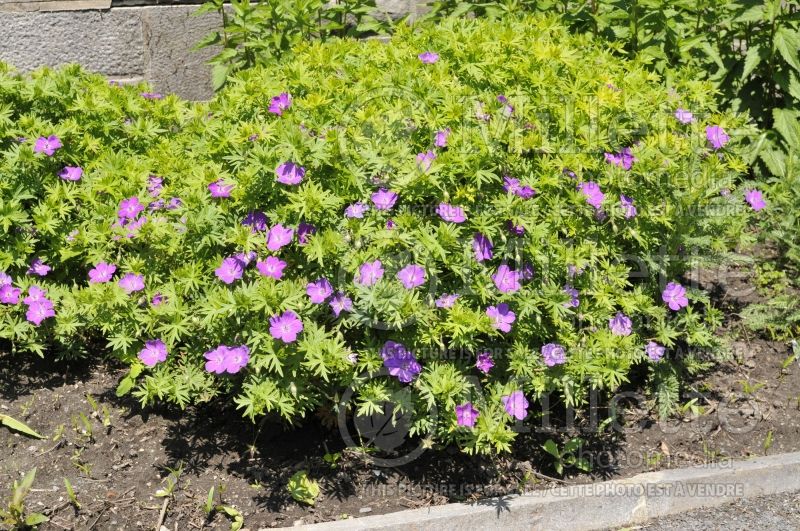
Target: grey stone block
{"type": "Point", "coordinates": [108, 42]}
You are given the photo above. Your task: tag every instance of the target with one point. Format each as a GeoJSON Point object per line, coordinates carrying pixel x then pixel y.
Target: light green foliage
{"type": "Point", "coordinates": [14, 513]}
{"type": "Point", "coordinates": [360, 114]}
{"type": "Point", "coordinates": [302, 488]}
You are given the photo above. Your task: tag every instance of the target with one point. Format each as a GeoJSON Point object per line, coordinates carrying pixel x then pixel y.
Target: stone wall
{"type": "Point", "coordinates": [132, 43]}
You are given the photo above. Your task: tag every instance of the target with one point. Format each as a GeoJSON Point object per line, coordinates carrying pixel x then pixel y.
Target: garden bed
{"type": "Point", "coordinates": [750, 406]}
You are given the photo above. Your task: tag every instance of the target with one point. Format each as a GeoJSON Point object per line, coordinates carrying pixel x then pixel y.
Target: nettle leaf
{"type": "Point", "coordinates": [787, 42]}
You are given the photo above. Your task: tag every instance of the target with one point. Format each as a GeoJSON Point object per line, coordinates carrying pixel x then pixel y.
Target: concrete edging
{"type": "Point", "coordinates": [599, 505]}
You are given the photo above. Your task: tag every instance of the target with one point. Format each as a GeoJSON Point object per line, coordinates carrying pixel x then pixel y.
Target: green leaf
{"type": "Point", "coordinates": [35, 519]}
{"type": "Point", "coordinates": [775, 161]}
{"type": "Point", "coordinates": [302, 488]}
{"type": "Point", "coordinates": [786, 123]}
{"type": "Point", "coordinates": [16, 425]}
{"type": "Point", "coordinates": [552, 448]}
{"type": "Point", "coordinates": [219, 74]}
{"type": "Point", "coordinates": [125, 386]}
{"type": "Point", "coordinates": [787, 42]}
{"type": "Point", "coordinates": [751, 61]}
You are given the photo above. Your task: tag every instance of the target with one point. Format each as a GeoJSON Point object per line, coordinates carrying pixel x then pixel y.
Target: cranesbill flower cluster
{"type": "Point", "coordinates": [227, 359]}
{"type": "Point", "coordinates": [39, 306]}
{"type": "Point", "coordinates": [154, 352]}
{"type": "Point", "coordinates": [400, 361]}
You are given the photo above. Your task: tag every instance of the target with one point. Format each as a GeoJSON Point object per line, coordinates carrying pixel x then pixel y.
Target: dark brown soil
{"type": "Point", "coordinates": [750, 406]}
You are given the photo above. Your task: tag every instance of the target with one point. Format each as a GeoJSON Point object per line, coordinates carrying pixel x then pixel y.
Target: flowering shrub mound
{"type": "Point", "coordinates": [477, 214]}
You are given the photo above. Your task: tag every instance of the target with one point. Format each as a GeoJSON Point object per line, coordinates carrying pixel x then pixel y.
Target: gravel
{"type": "Point", "coordinates": [779, 513]}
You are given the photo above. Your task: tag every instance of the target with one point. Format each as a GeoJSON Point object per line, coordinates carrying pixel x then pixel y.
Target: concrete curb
{"type": "Point", "coordinates": [600, 505]}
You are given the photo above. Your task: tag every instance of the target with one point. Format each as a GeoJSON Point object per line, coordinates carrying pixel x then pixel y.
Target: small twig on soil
{"type": "Point", "coordinates": [106, 505]}
{"type": "Point", "coordinates": [544, 476]}
{"type": "Point", "coordinates": [163, 513]}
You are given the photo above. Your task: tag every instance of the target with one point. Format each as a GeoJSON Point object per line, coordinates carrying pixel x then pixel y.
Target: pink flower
{"type": "Point", "coordinates": [35, 294]}
{"type": "Point", "coordinates": [447, 300]}
{"type": "Point", "coordinates": [553, 354]}
{"type": "Point", "coordinates": [592, 192]}
{"type": "Point", "coordinates": [428, 58]}
{"type": "Point", "coordinates": [620, 325]}
{"type": "Point", "coordinates": [484, 362]}
{"type": "Point", "coordinates": [411, 276]}
{"type": "Point", "coordinates": [47, 145]}
{"type": "Point", "coordinates": [629, 211]}
{"type": "Point", "coordinates": [101, 273]}
{"type": "Point", "coordinates": [215, 360]}
{"type": "Point", "coordinates": [716, 136]}
{"type": "Point", "coordinates": [466, 415]}
{"type": "Point", "coordinates": [502, 317]}
{"type": "Point", "coordinates": [319, 291]}
{"type": "Point", "coordinates": [220, 189]}
{"type": "Point", "coordinates": [131, 282]}
{"type": "Point", "coordinates": [384, 199]}
{"type": "Point", "coordinates": [515, 405]}
{"type": "Point", "coordinates": [400, 361]}
{"type": "Point", "coordinates": [285, 326]}
{"type": "Point", "coordinates": [71, 173]}
{"type": "Point", "coordinates": [675, 296]}
{"type": "Point", "coordinates": [341, 303]}
{"type": "Point", "coordinates": [40, 310]}
{"type": "Point", "coordinates": [440, 139]}
{"type": "Point", "coordinates": [451, 213]}
{"type": "Point", "coordinates": [370, 273]}
{"type": "Point", "coordinates": [425, 160]}
{"type": "Point", "coordinates": [290, 173]}
{"type": "Point", "coordinates": [9, 294]}
{"type": "Point", "coordinates": [231, 270]}
{"type": "Point", "coordinates": [39, 268]}
{"type": "Point", "coordinates": [684, 116]}
{"type": "Point", "coordinates": [236, 358]}
{"type": "Point", "coordinates": [506, 279]}
{"type": "Point", "coordinates": [755, 199]}
{"type": "Point", "coordinates": [278, 237]}
{"type": "Point", "coordinates": [271, 267]}
{"type": "Point", "coordinates": [154, 351]}
{"type": "Point", "coordinates": [654, 351]}
{"type": "Point", "coordinates": [482, 246]}
{"type": "Point", "coordinates": [280, 103]}
{"type": "Point", "coordinates": [129, 208]}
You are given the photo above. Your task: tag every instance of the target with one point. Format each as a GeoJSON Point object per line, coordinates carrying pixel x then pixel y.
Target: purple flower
{"type": "Point", "coordinates": [39, 311]}
{"type": "Point", "coordinates": [515, 405]}
{"type": "Point", "coordinates": [526, 192]}
{"type": "Point", "coordinates": [466, 415]}
{"type": "Point", "coordinates": [9, 294]}
{"type": "Point", "coordinates": [304, 232]}
{"type": "Point", "coordinates": [411, 276]}
{"type": "Point", "coordinates": [5, 279]}
{"type": "Point", "coordinates": [101, 273]}
{"type": "Point", "coordinates": [425, 160]}
{"type": "Point", "coordinates": [428, 58]}
{"type": "Point", "coordinates": [280, 103]}
{"type": "Point", "coordinates": [654, 351]}
{"type": "Point", "coordinates": [627, 206]}
{"type": "Point", "coordinates": [71, 236]}
{"type": "Point", "coordinates": [285, 326]}
{"type": "Point", "coordinates": [215, 359]}
{"type": "Point", "coordinates": [516, 230]}
{"type": "Point", "coordinates": [716, 136]}
{"type": "Point", "coordinates": [256, 220]}
{"type": "Point", "coordinates": [400, 361]}
{"type": "Point", "coordinates": [620, 325]}
{"type": "Point", "coordinates": [506, 279]}
{"type": "Point", "coordinates": [231, 270]}
{"type": "Point", "coordinates": [482, 246]}
{"type": "Point", "coordinates": [341, 303]}
{"type": "Point", "coordinates": [319, 291]}
{"type": "Point", "coordinates": [755, 199]}
{"type": "Point", "coordinates": [71, 173]}
{"type": "Point", "coordinates": [484, 363]}
{"type": "Point", "coordinates": [158, 299]}
{"type": "Point", "coordinates": [129, 208]}
{"type": "Point", "coordinates": [151, 95]}
{"type": "Point", "coordinates": [390, 224]}
{"type": "Point", "coordinates": [356, 210]}
{"type": "Point", "coordinates": [384, 199]}
{"type": "Point", "coordinates": [573, 301]}
{"type": "Point", "coordinates": [219, 189]}
{"type": "Point", "coordinates": [440, 139]}
{"type": "Point", "coordinates": [624, 159]}
{"type": "Point", "coordinates": [554, 354]}
{"type": "Point", "coordinates": [154, 185]}
{"type": "Point", "coordinates": [290, 173]}
{"type": "Point", "coordinates": [271, 267]}
{"type": "Point", "coordinates": [131, 282]}
{"type": "Point", "coordinates": [370, 273]}
{"type": "Point", "coordinates": [39, 268]}
{"type": "Point", "coordinates": [684, 116]}
{"type": "Point", "coordinates": [447, 300]}
{"type": "Point", "coordinates": [153, 352]}
{"type": "Point", "coordinates": [236, 358]}
{"type": "Point", "coordinates": [592, 192]}
{"type": "Point", "coordinates": [526, 273]}
{"type": "Point", "coordinates": [675, 296]}
{"type": "Point", "coordinates": [278, 237]}
{"type": "Point", "coordinates": [510, 184]}
{"type": "Point", "coordinates": [502, 317]}
{"type": "Point", "coordinates": [451, 213]}
{"type": "Point", "coordinates": [47, 145]}
{"type": "Point", "coordinates": [35, 294]}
